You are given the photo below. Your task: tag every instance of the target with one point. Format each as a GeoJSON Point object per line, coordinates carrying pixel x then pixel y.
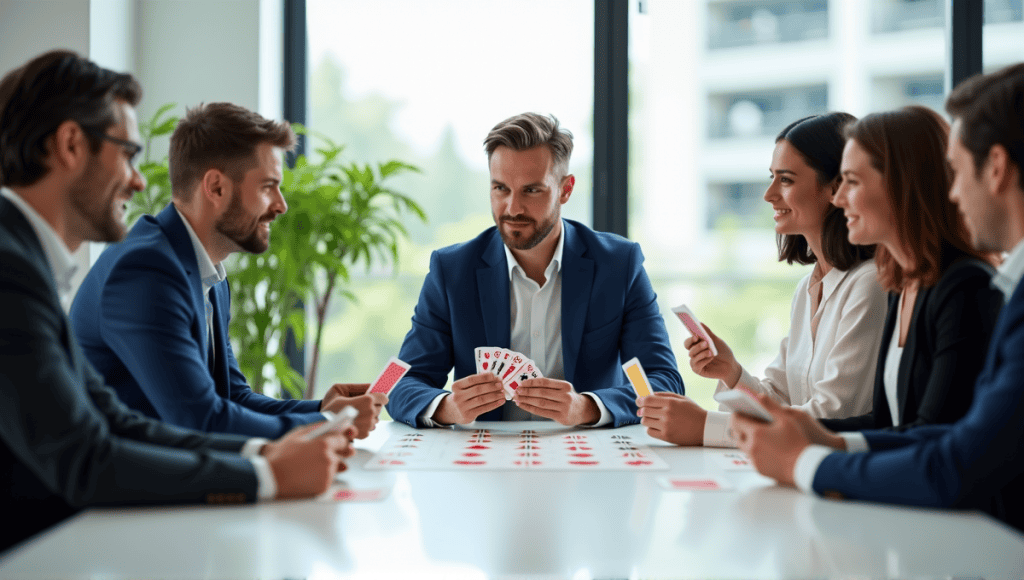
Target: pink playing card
{"type": "Point", "coordinates": [348, 494]}
{"type": "Point", "coordinates": [390, 376]}
{"type": "Point", "coordinates": [699, 483]}
{"type": "Point", "coordinates": [689, 320]}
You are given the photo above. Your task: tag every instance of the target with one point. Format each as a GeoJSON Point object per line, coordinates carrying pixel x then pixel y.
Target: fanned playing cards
{"type": "Point", "coordinates": [510, 366]}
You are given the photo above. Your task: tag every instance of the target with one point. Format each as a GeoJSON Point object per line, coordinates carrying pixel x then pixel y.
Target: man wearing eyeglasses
{"type": "Point", "coordinates": [68, 136]}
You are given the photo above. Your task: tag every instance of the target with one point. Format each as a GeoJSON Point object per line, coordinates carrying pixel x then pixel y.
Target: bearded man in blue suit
{"type": "Point", "coordinates": [575, 301]}
{"type": "Point", "coordinates": [977, 462]}
{"type": "Point", "coordinates": [152, 314]}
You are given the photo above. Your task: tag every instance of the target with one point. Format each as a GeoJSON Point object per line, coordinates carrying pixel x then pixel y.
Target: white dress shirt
{"type": "Point", "coordinates": [1007, 277]}
{"type": "Point", "coordinates": [826, 366]}
{"type": "Point", "coordinates": [62, 267]}
{"type": "Point", "coordinates": [536, 331]}
{"type": "Point", "coordinates": [210, 274]}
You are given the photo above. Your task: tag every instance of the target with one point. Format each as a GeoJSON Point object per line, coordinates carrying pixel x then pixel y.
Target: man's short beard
{"type": "Point", "coordinates": [98, 214]}
{"type": "Point", "coordinates": [244, 233]}
{"type": "Point", "coordinates": [540, 232]}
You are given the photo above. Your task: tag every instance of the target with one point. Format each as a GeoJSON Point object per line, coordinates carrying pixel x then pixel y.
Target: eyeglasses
{"type": "Point", "coordinates": [132, 148]}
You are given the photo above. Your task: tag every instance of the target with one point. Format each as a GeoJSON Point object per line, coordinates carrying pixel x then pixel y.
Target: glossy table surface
{"type": "Point", "coordinates": [516, 524]}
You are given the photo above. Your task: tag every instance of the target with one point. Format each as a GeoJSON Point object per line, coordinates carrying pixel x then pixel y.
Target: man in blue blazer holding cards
{"type": "Point", "coordinates": [152, 314]}
{"type": "Point", "coordinates": [575, 301]}
{"type": "Point", "coordinates": [977, 462]}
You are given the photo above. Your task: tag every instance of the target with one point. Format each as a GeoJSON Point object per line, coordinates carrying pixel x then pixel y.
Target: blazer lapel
{"type": "Point", "coordinates": [493, 290]}
{"type": "Point", "coordinates": [577, 280]}
{"type": "Point", "coordinates": [172, 226]}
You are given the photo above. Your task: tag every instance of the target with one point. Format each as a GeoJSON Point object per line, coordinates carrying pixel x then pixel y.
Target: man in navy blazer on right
{"type": "Point", "coordinates": [977, 462]}
{"type": "Point", "coordinates": [576, 301]}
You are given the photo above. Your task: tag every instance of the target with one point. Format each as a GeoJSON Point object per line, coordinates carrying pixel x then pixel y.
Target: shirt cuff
{"type": "Point", "coordinates": [716, 430]}
{"type": "Point", "coordinates": [266, 485]}
{"type": "Point", "coordinates": [253, 447]}
{"type": "Point", "coordinates": [856, 442]}
{"type": "Point", "coordinates": [605, 418]}
{"type": "Point", "coordinates": [426, 418]}
{"type": "Point", "coordinates": [807, 466]}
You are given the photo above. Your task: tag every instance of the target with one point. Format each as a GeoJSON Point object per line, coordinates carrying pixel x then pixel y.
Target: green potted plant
{"type": "Point", "coordinates": [341, 215]}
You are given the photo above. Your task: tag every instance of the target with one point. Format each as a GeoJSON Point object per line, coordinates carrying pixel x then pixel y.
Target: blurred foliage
{"type": "Point", "coordinates": [157, 193]}
{"type": "Point", "coordinates": [340, 215]}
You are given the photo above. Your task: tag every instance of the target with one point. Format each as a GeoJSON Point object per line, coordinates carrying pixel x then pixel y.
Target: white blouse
{"type": "Point", "coordinates": [891, 372]}
{"type": "Point", "coordinates": [826, 366]}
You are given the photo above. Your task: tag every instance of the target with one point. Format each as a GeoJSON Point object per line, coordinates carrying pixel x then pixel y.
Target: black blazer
{"type": "Point", "coordinates": [66, 440]}
{"type": "Point", "coordinates": [944, 352]}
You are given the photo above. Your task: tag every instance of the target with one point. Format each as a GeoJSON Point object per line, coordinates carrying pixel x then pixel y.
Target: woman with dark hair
{"type": "Point", "coordinates": [942, 308]}
{"type": "Point", "coordinates": [826, 364]}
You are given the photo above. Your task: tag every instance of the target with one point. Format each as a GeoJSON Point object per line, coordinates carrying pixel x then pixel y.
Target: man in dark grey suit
{"type": "Point", "coordinates": [68, 139]}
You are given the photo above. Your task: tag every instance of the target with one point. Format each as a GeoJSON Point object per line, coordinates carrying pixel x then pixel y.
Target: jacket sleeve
{"type": "Point", "coordinates": [642, 335]}
{"type": "Point", "coordinates": [72, 432]}
{"type": "Point", "coordinates": [427, 348]}
{"type": "Point", "coordinates": [303, 411]}
{"type": "Point", "coordinates": [146, 319]}
{"type": "Point", "coordinates": [959, 465]}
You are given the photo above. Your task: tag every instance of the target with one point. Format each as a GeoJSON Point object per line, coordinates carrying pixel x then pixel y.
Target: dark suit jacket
{"type": "Point", "coordinates": [949, 333]}
{"type": "Point", "coordinates": [66, 441]}
{"type": "Point", "coordinates": [609, 315]}
{"type": "Point", "coordinates": [141, 320]}
{"type": "Point", "coordinates": [975, 463]}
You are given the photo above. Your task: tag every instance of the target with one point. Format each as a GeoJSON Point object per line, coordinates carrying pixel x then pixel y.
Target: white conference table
{"type": "Point", "coordinates": [515, 524]}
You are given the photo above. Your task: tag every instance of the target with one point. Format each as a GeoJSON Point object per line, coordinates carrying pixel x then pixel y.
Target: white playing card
{"type": "Point", "coordinates": [479, 353]}
{"type": "Point", "coordinates": [499, 363]}
{"type": "Point", "coordinates": [514, 364]}
{"type": "Point", "coordinates": [526, 372]}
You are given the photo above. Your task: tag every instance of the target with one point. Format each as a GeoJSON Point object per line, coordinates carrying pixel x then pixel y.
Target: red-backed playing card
{"type": "Point", "coordinates": [390, 376]}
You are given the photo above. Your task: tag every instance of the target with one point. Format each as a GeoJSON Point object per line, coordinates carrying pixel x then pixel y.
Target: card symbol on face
{"type": "Point", "coordinates": [582, 454]}
{"type": "Point", "coordinates": [471, 454]}
{"type": "Point", "coordinates": [477, 447]}
{"type": "Point", "coordinates": [638, 462]}
{"type": "Point", "coordinates": [523, 377]}
{"type": "Point", "coordinates": [463, 462]}
{"type": "Point", "coordinates": [486, 365]}
{"type": "Point", "coordinates": [517, 359]}
{"type": "Point", "coordinates": [487, 355]}
{"type": "Point", "coordinates": [583, 463]}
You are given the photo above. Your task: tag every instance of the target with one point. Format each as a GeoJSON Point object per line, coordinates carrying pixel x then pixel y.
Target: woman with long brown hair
{"type": "Point", "coordinates": [942, 308]}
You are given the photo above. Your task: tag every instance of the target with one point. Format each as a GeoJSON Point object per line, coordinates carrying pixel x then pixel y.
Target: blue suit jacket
{"type": "Point", "coordinates": [609, 315]}
{"type": "Point", "coordinates": [975, 463]}
{"type": "Point", "coordinates": [140, 318]}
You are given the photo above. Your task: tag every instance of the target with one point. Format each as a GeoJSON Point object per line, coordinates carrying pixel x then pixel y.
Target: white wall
{"type": "Point", "coordinates": [29, 27]}
{"type": "Point", "coordinates": [182, 51]}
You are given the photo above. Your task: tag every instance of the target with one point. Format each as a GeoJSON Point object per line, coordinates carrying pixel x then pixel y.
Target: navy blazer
{"type": "Point", "coordinates": [950, 327]}
{"type": "Point", "coordinates": [140, 317]}
{"type": "Point", "coordinates": [609, 315]}
{"type": "Point", "coordinates": [66, 441]}
{"type": "Point", "coordinates": [975, 463]}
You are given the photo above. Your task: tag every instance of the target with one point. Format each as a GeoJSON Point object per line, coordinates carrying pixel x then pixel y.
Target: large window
{"type": "Point", "coordinates": [711, 84]}
{"type": "Point", "coordinates": [424, 82]}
